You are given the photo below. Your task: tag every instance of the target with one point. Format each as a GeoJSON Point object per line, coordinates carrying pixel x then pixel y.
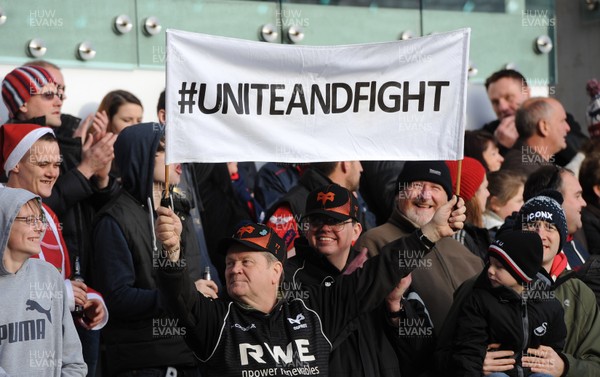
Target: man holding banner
{"type": "Point", "coordinates": [261, 333]}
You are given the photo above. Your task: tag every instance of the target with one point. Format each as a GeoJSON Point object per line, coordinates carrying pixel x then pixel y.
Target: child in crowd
{"type": "Point", "coordinates": [482, 146]}
{"type": "Point", "coordinates": [37, 334]}
{"type": "Point", "coordinates": [506, 197]}
{"type": "Point", "coordinates": [509, 306]}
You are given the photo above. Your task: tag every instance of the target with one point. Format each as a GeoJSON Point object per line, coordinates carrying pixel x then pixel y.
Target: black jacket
{"type": "Point", "coordinates": [476, 239]}
{"type": "Point", "coordinates": [500, 315]}
{"type": "Point", "coordinates": [220, 210]}
{"type": "Point", "coordinates": [295, 338]}
{"type": "Point", "coordinates": [76, 199]}
{"type": "Point", "coordinates": [369, 347]}
{"type": "Point", "coordinates": [590, 217]}
{"type": "Point", "coordinates": [378, 187]}
{"type": "Point", "coordinates": [274, 181]}
{"type": "Point", "coordinates": [140, 333]}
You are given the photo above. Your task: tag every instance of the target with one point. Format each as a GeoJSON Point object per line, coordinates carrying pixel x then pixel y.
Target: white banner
{"type": "Point", "coordinates": [239, 100]}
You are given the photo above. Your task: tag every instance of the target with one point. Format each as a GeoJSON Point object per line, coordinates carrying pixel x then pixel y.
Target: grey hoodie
{"type": "Point", "coordinates": [37, 333]}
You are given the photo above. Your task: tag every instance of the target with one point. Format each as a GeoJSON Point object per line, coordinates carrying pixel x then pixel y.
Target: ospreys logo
{"type": "Point", "coordinates": [324, 197]}
{"type": "Point", "coordinates": [33, 305]}
{"type": "Point", "coordinates": [245, 229]}
{"type": "Point", "coordinates": [298, 321]}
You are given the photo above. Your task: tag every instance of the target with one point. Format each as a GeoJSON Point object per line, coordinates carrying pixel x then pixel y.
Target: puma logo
{"type": "Point", "coordinates": [33, 305]}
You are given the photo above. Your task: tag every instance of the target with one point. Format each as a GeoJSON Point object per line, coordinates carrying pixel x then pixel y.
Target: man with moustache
{"type": "Point", "coordinates": [423, 187]}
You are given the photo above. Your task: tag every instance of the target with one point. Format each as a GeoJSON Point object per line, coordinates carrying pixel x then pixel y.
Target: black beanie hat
{"type": "Point", "coordinates": [429, 171]}
{"type": "Point", "coordinates": [546, 206]}
{"type": "Point", "coordinates": [520, 252]}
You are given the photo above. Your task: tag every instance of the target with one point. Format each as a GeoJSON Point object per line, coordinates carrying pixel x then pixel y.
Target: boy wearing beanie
{"type": "Point", "coordinates": [509, 306]}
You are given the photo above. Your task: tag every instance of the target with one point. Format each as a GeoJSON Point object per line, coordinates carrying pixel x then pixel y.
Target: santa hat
{"type": "Point", "coordinates": [16, 140]}
{"type": "Point", "coordinates": [471, 176]}
{"type": "Point", "coordinates": [20, 84]}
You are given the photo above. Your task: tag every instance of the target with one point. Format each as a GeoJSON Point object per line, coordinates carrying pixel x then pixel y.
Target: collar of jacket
{"type": "Point", "coordinates": [312, 179]}
{"type": "Point", "coordinates": [491, 220]}
{"type": "Point", "coordinates": [502, 293]}
{"type": "Point", "coordinates": [541, 284]}
{"type": "Point", "coordinates": [310, 254]}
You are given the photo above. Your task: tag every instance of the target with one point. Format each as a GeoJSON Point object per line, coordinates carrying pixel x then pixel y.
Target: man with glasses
{"type": "Point", "coordinates": [31, 92]}
{"type": "Point", "coordinates": [390, 340]}
{"type": "Point", "coordinates": [285, 214]}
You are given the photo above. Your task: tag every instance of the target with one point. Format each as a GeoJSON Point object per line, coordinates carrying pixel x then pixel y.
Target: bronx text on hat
{"type": "Point", "coordinates": [324, 197]}
{"type": "Point", "coordinates": [539, 215]}
{"type": "Point", "coordinates": [436, 172]}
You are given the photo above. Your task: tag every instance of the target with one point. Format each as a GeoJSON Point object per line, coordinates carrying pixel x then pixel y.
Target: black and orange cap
{"type": "Point", "coordinates": [257, 237]}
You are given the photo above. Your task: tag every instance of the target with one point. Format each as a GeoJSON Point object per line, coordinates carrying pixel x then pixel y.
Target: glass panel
{"type": "Point", "coordinates": [63, 25]}
{"type": "Point", "coordinates": [239, 19]}
{"type": "Point", "coordinates": [501, 39]}
{"type": "Point", "coordinates": [348, 25]}
{"type": "Point", "coordinates": [456, 5]}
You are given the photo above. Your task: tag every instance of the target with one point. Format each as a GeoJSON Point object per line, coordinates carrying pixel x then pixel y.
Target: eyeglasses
{"type": "Point", "coordinates": [540, 224]}
{"type": "Point", "coordinates": [33, 220]}
{"type": "Point", "coordinates": [318, 222]}
{"type": "Point", "coordinates": [49, 96]}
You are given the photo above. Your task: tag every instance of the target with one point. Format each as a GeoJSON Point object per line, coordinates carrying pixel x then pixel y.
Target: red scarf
{"type": "Point", "coordinates": [558, 265]}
